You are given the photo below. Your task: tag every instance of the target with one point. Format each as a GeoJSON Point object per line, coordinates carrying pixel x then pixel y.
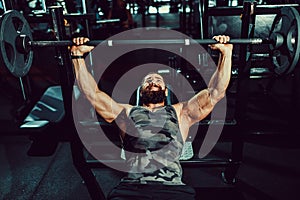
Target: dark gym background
{"type": "Point", "coordinates": [39, 165]}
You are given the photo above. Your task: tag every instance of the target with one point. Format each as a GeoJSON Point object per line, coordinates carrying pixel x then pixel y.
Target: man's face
{"type": "Point", "coordinates": [153, 82]}
{"type": "Point", "coordinates": [153, 89]}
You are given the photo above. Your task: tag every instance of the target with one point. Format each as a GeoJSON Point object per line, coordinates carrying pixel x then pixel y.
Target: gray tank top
{"type": "Point", "coordinates": [153, 145]}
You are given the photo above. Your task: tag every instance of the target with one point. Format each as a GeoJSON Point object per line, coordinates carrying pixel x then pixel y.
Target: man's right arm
{"type": "Point", "coordinates": [103, 104]}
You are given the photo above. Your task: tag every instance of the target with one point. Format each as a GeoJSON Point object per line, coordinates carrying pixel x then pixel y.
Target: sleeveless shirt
{"type": "Point", "coordinates": [153, 145]}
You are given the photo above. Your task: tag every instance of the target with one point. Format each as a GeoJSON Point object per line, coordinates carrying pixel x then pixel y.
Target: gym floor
{"type": "Point", "coordinates": [268, 172]}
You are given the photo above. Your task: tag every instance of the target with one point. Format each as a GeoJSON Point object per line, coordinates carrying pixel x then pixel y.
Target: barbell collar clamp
{"type": "Point", "coordinates": [277, 40]}
{"type": "Point", "coordinates": [22, 44]}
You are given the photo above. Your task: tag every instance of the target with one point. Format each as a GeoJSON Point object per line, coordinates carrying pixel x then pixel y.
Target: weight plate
{"type": "Point", "coordinates": [285, 56]}
{"type": "Point", "coordinates": [12, 26]}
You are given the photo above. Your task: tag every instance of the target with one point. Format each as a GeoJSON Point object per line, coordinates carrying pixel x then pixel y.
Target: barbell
{"type": "Point", "coordinates": [16, 42]}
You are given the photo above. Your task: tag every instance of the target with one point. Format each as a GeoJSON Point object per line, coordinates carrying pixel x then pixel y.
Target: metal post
{"type": "Point", "coordinates": [22, 89]}
{"type": "Point", "coordinates": [200, 13]}
{"type": "Point", "coordinates": [190, 23]}
{"type": "Point", "coordinates": [242, 87]}
{"type": "Point", "coordinates": [4, 6]}
{"type": "Point", "coordinates": [84, 9]}
{"type": "Point", "coordinates": [86, 21]}
{"type": "Point", "coordinates": [65, 65]}
{"type": "Point", "coordinates": [200, 22]}
{"type": "Point", "coordinates": [8, 4]}
{"type": "Point", "coordinates": [241, 98]}
{"type": "Point", "coordinates": [205, 18]}
{"type": "Point", "coordinates": [242, 95]}
{"type": "Point", "coordinates": [143, 10]}
{"type": "Point", "coordinates": [183, 21]}
{"type": "Point", "coordinates": [157, 15]}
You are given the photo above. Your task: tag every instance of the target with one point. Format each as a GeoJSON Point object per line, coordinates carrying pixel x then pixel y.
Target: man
{"type": "Point", "coordinates": [155, 132]}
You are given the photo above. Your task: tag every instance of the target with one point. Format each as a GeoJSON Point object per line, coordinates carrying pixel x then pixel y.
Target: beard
{"type": "Point", "coordinates": [148, 96]}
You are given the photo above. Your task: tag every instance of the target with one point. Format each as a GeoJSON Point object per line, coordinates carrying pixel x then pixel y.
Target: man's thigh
{"type": "Point", "coordinates": [144, 192]}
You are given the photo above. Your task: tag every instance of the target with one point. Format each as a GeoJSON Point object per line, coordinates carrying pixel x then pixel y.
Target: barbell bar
{"type": "Point", "coordinates": [16, 42]}
{"type": "Point", "coordinates": [146, 42]}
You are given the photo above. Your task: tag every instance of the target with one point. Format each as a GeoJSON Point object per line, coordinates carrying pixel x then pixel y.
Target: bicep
{"type": "Point", "coordinates": [107, 107]}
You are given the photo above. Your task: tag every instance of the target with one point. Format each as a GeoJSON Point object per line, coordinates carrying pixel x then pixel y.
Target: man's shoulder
{"type": "Point", "coordinates": [127, 108]}
{"type": "Point", "coordinates": [178, 106]}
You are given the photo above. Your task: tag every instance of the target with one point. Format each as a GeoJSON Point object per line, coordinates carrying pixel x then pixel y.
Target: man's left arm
{"type": "Point", "coordinates": [199, 106]}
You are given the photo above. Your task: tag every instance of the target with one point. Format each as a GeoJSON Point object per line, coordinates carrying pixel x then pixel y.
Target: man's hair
{"type": "Point", "coordinates": [143, 80]}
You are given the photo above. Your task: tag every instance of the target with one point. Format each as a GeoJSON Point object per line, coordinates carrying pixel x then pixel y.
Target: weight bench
{"type": "Point", "coordinates": [45, 119]}
{"type": "Point", "coordinates": [49, 111]}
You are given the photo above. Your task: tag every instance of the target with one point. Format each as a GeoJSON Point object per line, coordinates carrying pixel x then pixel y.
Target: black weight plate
{"type": "Point", "coordinates": [286, 56]}
{"type": "Point", "coordinates": [12, 25]}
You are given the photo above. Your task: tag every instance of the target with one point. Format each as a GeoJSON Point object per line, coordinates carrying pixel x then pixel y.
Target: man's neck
{"type": "Point", "coordinates": [152, 106]}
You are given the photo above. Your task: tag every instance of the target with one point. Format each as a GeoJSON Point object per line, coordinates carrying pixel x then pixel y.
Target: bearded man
{"type": "Point", "coordinates": [155, 132]}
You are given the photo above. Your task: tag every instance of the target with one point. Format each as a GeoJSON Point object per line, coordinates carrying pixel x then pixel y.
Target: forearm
{"type": "Point", "coordinates": [84, 79]}
{"type": "Point", "coordinates": [221, 77]}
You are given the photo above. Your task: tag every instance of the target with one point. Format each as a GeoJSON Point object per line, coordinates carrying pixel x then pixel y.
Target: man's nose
{"type": "Point", "coordinates": [151, 81]}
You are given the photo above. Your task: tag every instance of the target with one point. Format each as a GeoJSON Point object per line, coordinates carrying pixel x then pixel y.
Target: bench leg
{"type": "Point", "coordinates": [85, 171]}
